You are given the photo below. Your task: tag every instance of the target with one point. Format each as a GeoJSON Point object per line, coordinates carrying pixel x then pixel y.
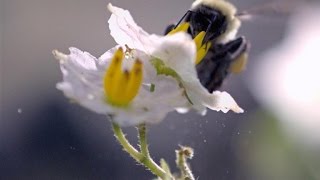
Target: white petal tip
{"type": "Point", "coordinates": [110, 7]}
{"type": "Point", "coordinates": [238, 110]}
{"type": "Point", "coordinates": [59, 55]}
{"type": "Point", "coordinates": [225, 102]}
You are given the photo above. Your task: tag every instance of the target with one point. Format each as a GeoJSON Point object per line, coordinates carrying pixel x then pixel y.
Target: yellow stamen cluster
{"type": "Point", "coordinates": [121, 86]}
{"type": "Point", "coordinates": [202, 49]}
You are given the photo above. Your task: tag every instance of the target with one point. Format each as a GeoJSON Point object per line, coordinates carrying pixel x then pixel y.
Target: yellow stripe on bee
{"type": "Point", "coordinates": [135, 81]}
{"type": "Point", "coordinates": [113, 72]}
{"type": "Point", "coordinates": [202, 52]}
{"type": "Point", "coordinates": [182, 27]}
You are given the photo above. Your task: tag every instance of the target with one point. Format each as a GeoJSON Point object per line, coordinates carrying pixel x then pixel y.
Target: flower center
{"type": "Point", "coordinates": [202, 49]}
{"type": "Point", "coordinates": [121, 86]}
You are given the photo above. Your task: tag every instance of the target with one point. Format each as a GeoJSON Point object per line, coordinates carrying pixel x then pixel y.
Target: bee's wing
{"type": "Point", "coordinates": [272, 9]}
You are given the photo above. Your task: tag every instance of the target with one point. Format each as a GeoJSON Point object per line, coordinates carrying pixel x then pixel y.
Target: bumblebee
{"type": "Point", "coordinates": [225, 53]}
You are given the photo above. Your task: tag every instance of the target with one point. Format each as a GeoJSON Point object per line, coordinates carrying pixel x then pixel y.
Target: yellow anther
{"type": "Point", "coordinates": [135, 80]}
{"type": "Point", "coordinates": [202, 52]}
{"type": "Point", "coordinates": [120, 86]}
{"type": "Point", "coordinates": [199, 38]}
{"type": "Point", "coordinates": [113, 72]}
{"type": "Point", "coordinates": [182, 27]}
{"type": "Point", "coordinates": [117, 96]}
{"type": "Point", "coordinates": [202, 49]}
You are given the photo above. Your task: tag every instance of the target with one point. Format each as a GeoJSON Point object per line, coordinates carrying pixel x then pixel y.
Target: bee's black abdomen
{"type": "Point", "coordinates": [214, 68]}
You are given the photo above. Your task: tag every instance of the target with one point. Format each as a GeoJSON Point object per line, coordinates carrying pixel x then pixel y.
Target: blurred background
{"type": "Point", "coordinates": [44, 136]}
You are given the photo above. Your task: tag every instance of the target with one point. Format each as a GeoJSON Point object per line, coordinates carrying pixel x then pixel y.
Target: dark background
{"type": "Point", "coordinates": [44, 136]}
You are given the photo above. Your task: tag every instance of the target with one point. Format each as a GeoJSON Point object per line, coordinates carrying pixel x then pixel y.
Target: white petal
{"type": "Point", "coordinates": [178, 52]}
{"type": "Point", "coordinates": [105, 58]}
{"type": "Point", "coordinates": [166, 96]}
{"type": "Point", "coordinates": [218, 101]}
{"type": "Point", "coordinates": [82, 81]}
{"type": "Point", "coordinates": [125, 31]}
{"type": "Point", "coordinates": [223, 101]}
{"type": "Point", "coordinates": [151, 107]}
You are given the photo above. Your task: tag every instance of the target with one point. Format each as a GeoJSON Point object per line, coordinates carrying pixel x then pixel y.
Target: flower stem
{"type": "Point", "coordinates": [148, 161]}
{"type": "Point", "coordinates": [125, 143]}
{"type": "Point", "coordinates": [143, 139]}
{"type": "Point", "coordinates": [143, 157]}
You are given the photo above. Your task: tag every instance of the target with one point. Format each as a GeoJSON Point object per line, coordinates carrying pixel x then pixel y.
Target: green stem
{"type": "Point", "coordinates": [125, 143]}
{"type": "Point", "coordinates": [143, 157]}
{"type": "Point", "coordinates": [143, 139]}
{"type": "Point", "coordinates": [148, 161]}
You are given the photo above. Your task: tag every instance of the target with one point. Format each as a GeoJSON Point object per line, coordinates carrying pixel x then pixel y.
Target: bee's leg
{"type": "Point", "coordinates": [238, 50]}
{"type": "Point", "coordinates": [212, 32]}
{"type": "Point", "coordinates": [216, 66]}
{"type": "Point", "coordinates": [209, 36]}
{"type": "Point", "coordinates": [185, 17]}
{"type": "Point", "coordinates": [169, 28]}
{"type": "Point", "coordinates": [235, 47]}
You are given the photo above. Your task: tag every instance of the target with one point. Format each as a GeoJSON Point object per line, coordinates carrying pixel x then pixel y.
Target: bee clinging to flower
{"type": "Point", "coordinates": [140, 80]}
{"type": "Point", "coordinates": [214, 25]}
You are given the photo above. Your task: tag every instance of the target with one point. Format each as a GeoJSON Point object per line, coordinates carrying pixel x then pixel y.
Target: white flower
{"type": "Point", "coordinates": [177, 52]}
{"type": "Point", "coordinates": [83, 77]}
{"type": "Point", "coordinates": [142, 79]}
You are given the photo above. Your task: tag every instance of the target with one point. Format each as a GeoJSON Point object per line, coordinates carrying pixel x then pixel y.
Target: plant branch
{"type": "Point", "coordinates": [182, 155]}
{"type": "Point", "coordinates": [143, 157]}
{"type": "Point", "coordinates": [125, 143]}
{"type": "Point", "coordinates": [148, 161]}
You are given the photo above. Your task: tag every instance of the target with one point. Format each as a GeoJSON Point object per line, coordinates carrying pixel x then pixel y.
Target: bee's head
{"type": "Point", "coordinates": [228, 10]}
